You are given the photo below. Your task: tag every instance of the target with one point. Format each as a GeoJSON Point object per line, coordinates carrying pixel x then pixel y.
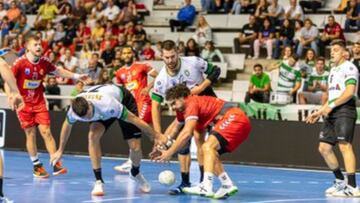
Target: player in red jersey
{"type": "Point", "coordinates": [30, 71]}
{"type": "Point", "coordinates": [231, 128]}
{"type": "Point", "coordinates": [134, 76]}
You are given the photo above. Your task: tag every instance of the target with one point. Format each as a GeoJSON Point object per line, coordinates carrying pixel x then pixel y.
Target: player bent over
{"type": "Point", "coordinates": [232, 128]}
{"type": "Point", "coordinates": [101, 106]}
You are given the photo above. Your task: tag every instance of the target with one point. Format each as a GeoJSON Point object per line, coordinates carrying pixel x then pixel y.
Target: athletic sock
{"type": "Point", "coordinates": [135, 170]}
{"type": "Point", "coordinates": [201, 167]}
{"type": "Point", "coordinates": [97, 173]}
{"type": "Point", "coordinates": [351, 180]}
{"type": "Point", "coordinates": [208, 181]}
{"type": "Point", "coordinates": [225, 179]}
{"type": "Point", "coordinates": [185, 178]}
{"type": "Point", "coordinates": [338, 174]}
{"type": "Point", "coordinates": [1, 187]}
{"type": "Point", "coordinates": [35, 160]}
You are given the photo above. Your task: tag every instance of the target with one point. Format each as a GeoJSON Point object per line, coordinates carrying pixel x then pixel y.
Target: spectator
{"type": "Point", "coordinates": [286, 35]}
{"type": "Point", "coordinates": [108, 54]}
{"type": "Point", "coordinates": [310, 58]}
{"type": "Point", "coordinates": [317, 89]}
{"type": "Point", "coordinates": [158, 49]}
{"type": "Point", "coordinates": [60, 33]}
{"type": "Point", "coordinates": [121, 42]}
{"type": "Point", "coordinates": [97, 33]}
{"type": "Point", "coordinates": [247, 35]}
{"type": "Point", "coordinates": [97, 11]}
{"type": "Point", "coordinates": [192, 48]}
{"type": "Point", "coordinates": [139, 34]}
{"type": "Point", "coordinates": [79, 87]}
{"type": "Point", "coordinates": [79, 12]}
{"type": "Point", "coordinates": [49, 32]}
{"type": "Point", "coordinates": [46, 13]}
{"type": "Point", "coordinates": [331, 32]}
{"type": "Point", "coordinates": [347, 55]}
{"type": "Point", "coordinates": [298, 26]}
{"type": "Point", "coordinates": [3, 11]}
{"type": "Point", "coordinates": [5, 29]}
{"type": "Point", "coordinates": [203, 31]}
{"type": "Point", "coordinates": [185, 17]}
{"type": "Point", "coordinates": [181, 48]}
{"type": "Point", "coordinates": [259, 87]}
{"type": "Point", "coordinates": [93, 70]}
{"type": "Point", "coordinates": [275, 13]}
{"type": "Point", "coordinates": [21, 28]}
{"type": "Point", "coordinates": [70, 61]}
{"type": "Point", "coordinates": [128, 13]}
{"type": "Point", "coordinates": [13, 13]}
{"type": "Point", "coordinates": [308, 37]}
{"type": "Point", "coordinates": [70, 34]}
{"type": "Point", "coordinates": [148, 53]}
{"type": "Point", "coordinates": [85, 56]}
{"type": "Point", "coordinates": [129, 31]}
{"type": "Point", "coordinates": [52, 88]}
{"type": "Point", "coordinates": [289, 77]}
{"type": "Point", "coordinates": [83, 34]}
{"type": "Point", "coordinates": [111, 12]}
{"type": "Point", "coordinates": [115, 65]}
{"type": "Point", "coordinates": [352, 16]}
{"type": "Point", "coordinates": [108, 38]}
{"type": "Point", "coordinates": [314, 5]}
{"type": "Point", "coordinates": [356, 55]}
{"type": "Point", "coordinates": [104, 78]}
{"type": "Point", "coordinates": [96, 57]}
{"type": "Point", "coordinates": [65, 13]}
{"type": "Point", "coordinates": [261, 9]}
{"type": "Point", "coordinates": [210, 54]}
{"type": "Point", "coordinates": [243, 7]}
{"type": "Point", "coordinates": [265, 37]}
{"type": "Point", "coordinates": [293, 11]}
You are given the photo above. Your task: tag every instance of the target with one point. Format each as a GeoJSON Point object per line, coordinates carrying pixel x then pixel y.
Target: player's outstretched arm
{"type": "Point", "coordinates": [68, 74]}
{"type": "Point", "coordinates": [155, 113]}
{"type": "Point", "coordinates": [64, 136]}
{"type": "Point", "coordinates": [173, 129]}
{"type": "Point", "coordinates": [14, 97]}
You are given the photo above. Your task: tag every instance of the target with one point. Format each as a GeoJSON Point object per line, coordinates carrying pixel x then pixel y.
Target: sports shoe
{"type": "Point", "coordinates": [40, 172]}
{"type": "Point", "coordinates": [5, 200]}
{"type": "Point", "coordinates": [225, 191]}
{"type": "Point", "coordinates": [59, 169]}
{"type": "Point", "coordinates": [338, 185]}
{"type": "Point", "coordinates": [179, 189]}
{"type": "Point", "coordinates": [98, 189]}
{"type": "Point", "coordinates": [198, 190]}
{"type": "Point", "coordinates": [143, 183]}
{"type": "Point", "coordinates": [347, 191]}
{"type": "Point", "coordinates": [124, 168]}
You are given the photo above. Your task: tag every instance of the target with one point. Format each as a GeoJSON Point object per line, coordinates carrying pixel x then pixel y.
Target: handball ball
{"type": "Point", "coordinates": [167, 177]}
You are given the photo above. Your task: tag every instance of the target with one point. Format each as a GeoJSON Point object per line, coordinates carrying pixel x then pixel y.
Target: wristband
{"type": "Point", "coordinates": [332, 105]}
{"type": "Point", "coordinates": [76, 76]}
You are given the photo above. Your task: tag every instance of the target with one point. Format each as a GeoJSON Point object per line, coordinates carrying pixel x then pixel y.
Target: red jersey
{"type": "Point", "coordinates": [134, 78]}
{"type": "Point", "coordinates": [334, 29]}
{"type": "Point", "coordinates": [204, 109]}
{"type": "Point", "coordinates": [29, 78]}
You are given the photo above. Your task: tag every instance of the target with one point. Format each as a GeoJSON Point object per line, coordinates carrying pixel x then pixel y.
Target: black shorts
{"type": "Point", "coordinates": [339, 126]}
{"type": "Point", "coordinates": [223, 142]}
{"type": "Point", "coordinates": [209, 91]}
{"type": "Point", "coordinates": [129, 130]}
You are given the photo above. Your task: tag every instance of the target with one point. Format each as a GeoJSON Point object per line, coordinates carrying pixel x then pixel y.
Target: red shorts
{"type": "Point", "coordinates": [232, 129]}
{"type": "Point", "coordinates": [144, 110]}
{"type": "Point", "coordinates": [30, 116]}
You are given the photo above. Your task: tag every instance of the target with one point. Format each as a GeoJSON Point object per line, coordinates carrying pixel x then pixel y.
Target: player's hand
{"type": "Point", "coordinates": [326, 111]}
{"type": "Point", "coordinates": [165, 156]}
{"type": "Point", "coordinates": [145, 91]}
{"type": "Point", "coordinates": [55, 157]}
{"type": "Point", "coordinates": [15, 101]}
{"type": "Point", "coordinates": [196, 90]}
{"type": "Point", "coordinates": [313, 118]}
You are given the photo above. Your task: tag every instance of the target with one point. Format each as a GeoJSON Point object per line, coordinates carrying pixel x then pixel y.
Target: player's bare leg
{"type": "Point", "coordinates": [96, 130]}
{"type": "Point", "coordinates": [135, 157]}
{"type": "Point", "coordinates": [199, 141]}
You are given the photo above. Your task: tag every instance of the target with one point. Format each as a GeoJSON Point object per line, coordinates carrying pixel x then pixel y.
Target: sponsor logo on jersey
{"type": "Point", "coordinates": [112, 111]}
{"type": "Point", "coordinates": [93, 96]}
{"type": "Point", "coordinates": [27, 71]}
{"type": "Point", "coordinates": [123, 76]}
{"type": "Point", "coordinates": [337, 87]}
{"type": "Point", "coordinates": [31, 84]}
{"type": "Point", "coordinates": [227, 122]}
{"type": "Point", "coordinates": [187, 73]}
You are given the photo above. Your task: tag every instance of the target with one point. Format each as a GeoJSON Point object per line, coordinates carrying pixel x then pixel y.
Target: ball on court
{"type": "Point", "coordinates": [167, 177]}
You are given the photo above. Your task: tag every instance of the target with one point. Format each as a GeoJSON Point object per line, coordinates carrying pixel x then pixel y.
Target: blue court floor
{"type": "Point", "coordinates": [256, 184]}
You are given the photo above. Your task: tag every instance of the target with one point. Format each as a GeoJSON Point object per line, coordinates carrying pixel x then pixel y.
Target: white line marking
{"type": "Point", "coordinates": [313, 182]}
{"type": "Point", "coordinates": [259, 181]}
{"type": "Point", "coordinates": [276, 182]}
{"type": "Point", "coordinates": [295, 182]}
{"type": "Point", "coordinates": [291, 200]}
{"type": "Point", "coordinates": [10, 184]}
{"type": "Point", "coordinates": [27, 184]}
{"type": "Point", "coordinates": [74, 183]}
{"type": "Point", "coordinates": [243, 181]}
{"type": "Point", "coordinates": [108, 200]}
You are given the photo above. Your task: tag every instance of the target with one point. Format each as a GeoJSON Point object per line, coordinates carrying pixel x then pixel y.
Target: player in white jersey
{"type": "Point", "coordinates": [339, 122]}
{"type": "Point", "coordinates": [187, 70]}
{"type": "Point", "coordinates": [101, 106]}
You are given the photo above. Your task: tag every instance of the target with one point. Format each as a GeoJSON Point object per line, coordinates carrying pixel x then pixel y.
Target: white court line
{"type": "Point", "coordinates": [291, 200]}
{"type": "Point", "coordinates": [113, 199]}
{"type": "Point", "coordinates": [259, 181]}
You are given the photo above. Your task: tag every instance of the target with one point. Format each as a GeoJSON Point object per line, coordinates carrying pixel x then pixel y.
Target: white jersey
{"type": "Point", "coordinates": [340, 77]}
{"type": "Point", "coordinates": [106, 100]}
{"type": "Point", "coordinates": [191, 73]}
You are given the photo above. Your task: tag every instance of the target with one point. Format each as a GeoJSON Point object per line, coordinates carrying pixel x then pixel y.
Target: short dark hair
{"type": "Point", "coordinates": [80, 106]}
{"type": "Point", "coordinates": [178, 91]}
{"type": "Point", "coordinates": [338, 42]}
{"type": "Point", "coordinates": [295, 57]}
{"type": "Point", "coordinates": [258, 65]}
{"type": "Point", "coordinates": [168, 45]}
{"type": "Point", "coordinates": [320, 58]}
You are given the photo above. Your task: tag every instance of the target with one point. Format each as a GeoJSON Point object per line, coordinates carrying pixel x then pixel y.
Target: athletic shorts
{"type": "Point", "coordinates": [231, 130]}
{"type": "Point", "coordinates": [340, 124]}
{"type": "Point", "coordinates": [129, 130]}
{"type": "Point", "coordinates": [313, 97]}
{"type": "Point", "coordinates": [144, 108]}
{"type": "Point", "coordinates": [31, 116]}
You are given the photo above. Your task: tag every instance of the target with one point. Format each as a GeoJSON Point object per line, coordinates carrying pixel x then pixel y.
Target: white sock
{"type": "Point", "coordinates": [225, 179]}
{"type": "Point", "coordinates": [35, 160]}
{"type": "Point", "coordinates": [208, 181]}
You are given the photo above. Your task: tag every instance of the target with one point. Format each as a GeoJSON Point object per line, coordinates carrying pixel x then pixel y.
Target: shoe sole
{"type": "Point", "coordinates": [122, 171]}
{"type": "Point", "coordinates": [62, 171]}
{"type": "Point", "coordinates": [98, 194]}
{"type": "Point", "coordinates": [42, 177]}
{"type": "Point", "coordinates": [227, 195]}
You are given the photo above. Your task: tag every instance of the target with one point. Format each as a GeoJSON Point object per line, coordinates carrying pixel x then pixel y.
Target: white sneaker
{"type": "Point", "coordinates": [124, 168]}
{"type": "Point", "coordinates": [143, 183]}
{"type": "Point", "coordinates": [98, 189]}
{"type": "Point", "coordinates": [347, 191]}
{"type": "Point", "coordinates": [268, 58]}
{"type": "Point", "coordinates": [338, 185]}
{"type": "Point", "coordinates": [5, 200]}
{"type": "Point", "coordinates": [225, 191]}
{"type": "Point", "coordinates": [198, 190]}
